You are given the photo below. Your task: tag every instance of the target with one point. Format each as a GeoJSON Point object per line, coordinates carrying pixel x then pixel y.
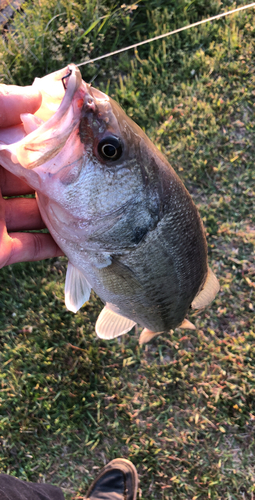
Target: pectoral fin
{"type": "Point", "coordinates": [207, 294]}
{"type": "Point", "coordinates": [110, 324]}
{"type": "Point", "coordinates": [77, 289]}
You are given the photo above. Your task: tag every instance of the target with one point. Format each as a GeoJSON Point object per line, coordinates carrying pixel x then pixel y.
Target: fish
{"type": "Point", "coordinates": [115, 206]}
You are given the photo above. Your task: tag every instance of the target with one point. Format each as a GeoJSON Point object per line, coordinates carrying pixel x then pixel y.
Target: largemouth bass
{"type": "Point", "coordinates": [114, 206]}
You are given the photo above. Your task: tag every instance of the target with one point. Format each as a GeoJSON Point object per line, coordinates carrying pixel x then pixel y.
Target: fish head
{"type": "Point", "coordinates": [123, 161]}
{"type": "Point", "coordinates": [75, 122]}
{"type": "Point", "coordinates": [80, 150]}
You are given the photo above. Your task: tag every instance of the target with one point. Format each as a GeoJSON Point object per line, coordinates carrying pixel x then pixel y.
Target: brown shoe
{"type": "Point", "coordinates": [118, 480]}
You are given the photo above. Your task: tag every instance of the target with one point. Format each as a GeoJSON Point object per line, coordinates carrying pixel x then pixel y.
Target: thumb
{"type": "Point", "coordinates": [15, 100]}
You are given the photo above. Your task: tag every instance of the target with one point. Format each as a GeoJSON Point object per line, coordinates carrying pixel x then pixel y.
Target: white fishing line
{"type": "Point", "coordinates": [138, 44]}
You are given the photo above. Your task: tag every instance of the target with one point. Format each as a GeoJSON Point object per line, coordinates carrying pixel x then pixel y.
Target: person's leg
{"type": "Point", "coordinates": [118, 480]}
{"type": "Point", "coordinates": [12, 488]}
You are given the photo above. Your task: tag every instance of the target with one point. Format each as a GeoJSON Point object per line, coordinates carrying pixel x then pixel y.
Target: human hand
{"type": "Point", "coordinates": [20, 214]}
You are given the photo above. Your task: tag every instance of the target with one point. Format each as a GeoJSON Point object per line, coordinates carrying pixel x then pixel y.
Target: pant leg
{"type": "Point", "coordinates": [12, 488]}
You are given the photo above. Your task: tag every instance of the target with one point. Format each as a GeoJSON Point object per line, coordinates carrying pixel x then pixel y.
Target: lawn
{"type": "Point", "coordinates": [181, 408]}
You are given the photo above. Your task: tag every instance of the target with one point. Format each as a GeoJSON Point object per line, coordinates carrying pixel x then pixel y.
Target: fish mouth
{"type": "Point", "coordinates": [71, 80]}
{"type": "Point", "coordinates": [44, 134]}
{"type": "Point", "coordinates": [66, 76]}
{"type": "Point", "coordinates": [51, 136]}
{"type": "Point", "coordinates": [92, 97]}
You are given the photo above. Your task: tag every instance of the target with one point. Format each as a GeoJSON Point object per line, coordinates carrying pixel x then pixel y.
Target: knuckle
{"type": "Point", "coordinates": [37, 245]}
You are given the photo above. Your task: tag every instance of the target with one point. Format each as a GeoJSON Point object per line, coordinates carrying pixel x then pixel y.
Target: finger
{"type": "Point", "coordinates": [31, 247]}
{"type": "Point", "coordinates": [22, 214]}
{"type": "Point", "coordinates": [5, 242]}
{"type": "Point", "coordinates": [12, 185]}
{"type": "Point", "coordinates": [15, 100]}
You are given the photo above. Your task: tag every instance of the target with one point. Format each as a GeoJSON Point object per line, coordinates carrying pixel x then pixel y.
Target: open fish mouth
{"type": "Point", "coordinates": [68, 105]}
{"type": "Point", "coordinates": [41, 136]}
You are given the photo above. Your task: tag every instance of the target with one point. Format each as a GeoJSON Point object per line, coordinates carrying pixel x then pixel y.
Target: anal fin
{"type": "Point", "coordinates": [147, 335]}
{"type": "Point", "coordinates": [208, 292]}
{"type": "Point", "coordinates": [111, 324]}
{"type": "Point", "coordinates": [187, 325]}
{"type": "Point", "coordinates": [77, 288]}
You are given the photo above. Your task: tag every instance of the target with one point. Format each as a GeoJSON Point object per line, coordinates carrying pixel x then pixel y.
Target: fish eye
{"type": "Point", "coordinates": [110, 148]}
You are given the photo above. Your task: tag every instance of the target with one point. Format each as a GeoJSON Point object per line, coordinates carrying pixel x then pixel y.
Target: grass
{"type": "Point", "coordinates": [183, 407]}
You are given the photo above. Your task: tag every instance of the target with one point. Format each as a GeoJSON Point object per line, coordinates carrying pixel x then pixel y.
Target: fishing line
{"type": "Point", "coordinates": [138, 44]}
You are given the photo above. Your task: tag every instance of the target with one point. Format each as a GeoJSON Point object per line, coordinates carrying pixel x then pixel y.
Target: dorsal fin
{"type": "Point", "coordinates": [77, 288]}
{"type": "Point", "coordinates": [207, 294]}
{"type": "Point", "coordinates": [111, 324]}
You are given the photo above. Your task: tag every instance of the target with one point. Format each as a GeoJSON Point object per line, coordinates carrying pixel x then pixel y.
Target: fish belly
{"type": "Point", "coordinates": [155, 283]}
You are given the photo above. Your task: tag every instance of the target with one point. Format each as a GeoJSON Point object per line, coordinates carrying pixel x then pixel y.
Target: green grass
{"type": "Point", "coordinates": [183, 407]}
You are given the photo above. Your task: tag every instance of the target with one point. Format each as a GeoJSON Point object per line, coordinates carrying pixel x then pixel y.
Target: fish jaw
{"type": "Point", "coordinates": [44, 143]}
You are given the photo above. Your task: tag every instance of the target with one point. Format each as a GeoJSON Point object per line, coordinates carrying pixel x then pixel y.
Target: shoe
{"type": "Point", "coordinates": [118, 480]}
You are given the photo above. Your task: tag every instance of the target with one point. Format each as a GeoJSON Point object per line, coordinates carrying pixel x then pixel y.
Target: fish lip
{"type": "Point", "coordinates": [73, 77]}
